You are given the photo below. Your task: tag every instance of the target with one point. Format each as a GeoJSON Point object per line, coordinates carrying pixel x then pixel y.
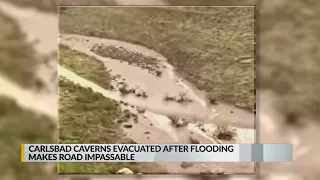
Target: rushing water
{"type": "Point", "coordinates": [157, 87]}
{"type": "Point", "coordinates": [154, 126]}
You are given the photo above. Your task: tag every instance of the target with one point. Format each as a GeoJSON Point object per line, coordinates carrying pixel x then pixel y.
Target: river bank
{"type": "Point", "coordinates": [201, 120]}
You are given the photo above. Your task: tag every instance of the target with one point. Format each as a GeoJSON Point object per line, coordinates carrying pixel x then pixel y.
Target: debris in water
{"type": "Point", "coordinates": [193, 140]}
{"type": "Point", "coordinates": [123, 90]}
{"type": "Point", "coordinates": [169, 98]}
{"type": "Point", "coordinates": [140, 110]}
{"type": "Point", "coordinates": [213, 100]}
{"type": "Point", "coordinates": [185, 165]}
{"type": "Point", "coordinates": [177, 122]}
{"type": "Point", "coordinates": [135, 120]}
{"type": "Point", "coordinates": [158, 73]}
{"type": "Point", "coordinates": [127, 114]}
{"type": "Point", "coordinates": [292, 119]}
{"type": "Point", "coordinates": [133, 90]}
{"type": "Point", "coordinates": [225, 132]}
{"type": "Point", "coordinates": [144, 95]}
{"type": "Point", "coordinates": [127, 125]}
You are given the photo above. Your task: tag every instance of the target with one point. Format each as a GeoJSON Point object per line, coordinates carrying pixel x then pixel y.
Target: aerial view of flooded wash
{"type": "Point", "coordinates": [154, 75]}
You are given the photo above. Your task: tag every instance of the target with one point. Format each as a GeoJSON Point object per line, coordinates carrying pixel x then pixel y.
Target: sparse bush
{"type": "Point", "coordinates": [193, 140]}
{"type": "Point", "coordinates": [134, 115]}
{"type": "Point", "coordinates": [140, 110]}
{"type": "Point", "coordinates": [127, 114]}
{"type": "Point", "coordinates": [212, 100]}
{"type": "Point", "coordinates": [158, 73]}
{"type": "Point", "coordinates": [225, 132]}
{"type": "Point", "coordinates": [135, 119]}
{"type": "Point", "coordinates": [123, 90]}
{"type": "Point", "coordinates": [127, 125]}
{"type": "Point", "coordinates": [169, 98]}
{"type": "Point", "coordinates": [177, 122]}
{"type": "Point", "coordinates": [144, 95]}
{"type": "Point", "coordinates": [174, 120]}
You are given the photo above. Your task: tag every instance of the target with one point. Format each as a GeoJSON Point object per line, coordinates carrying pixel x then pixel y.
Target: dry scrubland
{"type": "Point", "coordinates": [214, 50]}
{"type": "Point", "coordinates": [14, 51]}
{"type": "Point", "coordinates": [17, 124]}
{"type": "Point", "coordinates": [96, 115]}
{"type": "Point", "coordinates": [22, 126]}
{"type": "Point", "coordinates": [289, 53]}
{"type": "Point", "coordinates": [94, 71]}
{"type": "Point", "coordinates": [96, 122]}
{"type": "Point", "coordinates": [14, 47]}
{"type": "Point", "coordinates": [228, 74]}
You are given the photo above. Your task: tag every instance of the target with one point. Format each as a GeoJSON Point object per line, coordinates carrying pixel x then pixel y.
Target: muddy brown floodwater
{"type": "Point", "coordinates": [154, 125]}
{"type": "Point", "coordinates": [158, 87]}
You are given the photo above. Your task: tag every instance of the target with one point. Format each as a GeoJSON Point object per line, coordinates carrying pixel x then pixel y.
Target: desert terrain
{"type": "Point", "coordinates": [287, 101]}
{"type": "Point", "coordinates": [157, 103]}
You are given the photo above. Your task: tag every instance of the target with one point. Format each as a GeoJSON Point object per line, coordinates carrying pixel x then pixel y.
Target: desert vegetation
{"type": "Point", "coordinates": [96, 122]}
{"type": "Point", "coordinates": [177, 122]}
{"type": "Point", "coordinates": [225, 132]}
{"type": "Point", "coordinates": [138, 59]}
{"type": "Point", "coordinates": [15, 51]}
{"type": "Point", "coordinates": [85, 66]}
{"type": "Point", "coordinates": [181, 98]}
{"type": "Point", "coordinates": [212, 66]}
{"type": "Point", "coordinates": [193, 140]}
{"type": "Point", "coordinates": [22, 126]}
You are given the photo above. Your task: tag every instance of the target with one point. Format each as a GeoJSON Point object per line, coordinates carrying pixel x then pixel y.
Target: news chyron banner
{"type": "Point", "coordinates": [156, 153]}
